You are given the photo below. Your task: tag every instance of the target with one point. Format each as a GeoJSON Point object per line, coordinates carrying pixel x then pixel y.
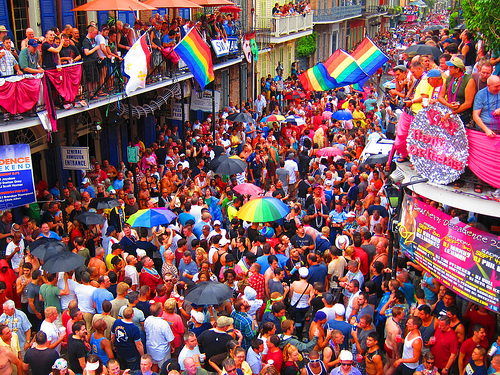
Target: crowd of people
{"type": "Point", "coordinates": [311, 293]}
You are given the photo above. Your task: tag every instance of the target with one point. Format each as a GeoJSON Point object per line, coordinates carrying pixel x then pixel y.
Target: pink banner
{"type": "Point", "coordinates": [461, 257]}
{"type": "Point", "coordinates": [19, 96]}
{"type": "Point", "coordinates": [171, 55]}
{"type": "Point", "coordinates": [484, 153]}
{"type": "Point", "coordinates": [66, 80]}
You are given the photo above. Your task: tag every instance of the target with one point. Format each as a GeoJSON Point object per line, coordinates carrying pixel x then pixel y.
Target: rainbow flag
{"type": "Point", "coordinates": [344, 69]}
{"type": "Point", "coordinates": [193, 50]}
{"type": "Point", "coordinates": [317, 79]}
{"type": "Point", "coordinates": [369, 56]}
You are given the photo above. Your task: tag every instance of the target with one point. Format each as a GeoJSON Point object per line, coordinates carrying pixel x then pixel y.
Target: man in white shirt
{"type": "Point", "coordinates": [15, 251]}
{"type": "Point", "coordinates": [84, 293]}
{"type": "Point", "coordinates": [159, 337]}
{"type": "Point", "coordinates": [54, 336]}
{"type": "Point", "coordinates": [293, 173]}
{"type": "Point", "coordinates": [131, 271]}
{"type": "Point", "coordinates": [190, 349]}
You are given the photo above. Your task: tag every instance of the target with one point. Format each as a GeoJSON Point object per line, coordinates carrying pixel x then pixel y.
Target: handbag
{"type": "Point", "coordinates": [291, 310]}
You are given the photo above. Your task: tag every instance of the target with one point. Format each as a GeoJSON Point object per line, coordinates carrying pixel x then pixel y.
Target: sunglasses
{"type": "Point", "coordinates": [346, 364]}
{"type": "Point", "coordinates": [314, 360]}
{"type": "Point", "coordinates": [430, 362]}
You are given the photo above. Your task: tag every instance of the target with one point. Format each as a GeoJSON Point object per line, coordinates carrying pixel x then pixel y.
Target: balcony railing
{"type": "Point", "coordinates": [337, 13]}
{"type": "Point", "coordinates": [374, 9]}
{"type": "Point", "coordinates": [287, 25]}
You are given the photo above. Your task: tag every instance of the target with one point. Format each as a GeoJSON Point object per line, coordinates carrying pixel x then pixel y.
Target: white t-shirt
{"type": "Point", "coordinates": [196, 212]}
{"type": "Point", "coordinates": [99, 39]}
{"type": "Point", "coordinates": [84, 297]}
{"type": "Point", "coordinates": [16, 259]}
{"type": "Point", "coordinates": [131, 272]}
{"type": "Point", "coordinates": [291, 167]}
{"type": "Point", "coordinates": [65, 300]}
{"type": "Point", "coordinates": [52, 333]}
{"type": "Point", "coordinates": [185, 353]}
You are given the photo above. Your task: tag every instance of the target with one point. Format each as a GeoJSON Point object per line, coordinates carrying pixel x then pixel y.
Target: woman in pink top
{"type": "Point", "coordinates": [175, 322]}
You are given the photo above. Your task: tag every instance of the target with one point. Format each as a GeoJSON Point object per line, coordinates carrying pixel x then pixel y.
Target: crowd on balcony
{"type": "Point", "coordinates": [291, 9]}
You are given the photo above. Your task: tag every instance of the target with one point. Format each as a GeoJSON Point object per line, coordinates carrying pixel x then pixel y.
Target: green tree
{"type": "Point", "coordinates": [483, 16]}
{"type": "Point", "coordinates": [306, 46]}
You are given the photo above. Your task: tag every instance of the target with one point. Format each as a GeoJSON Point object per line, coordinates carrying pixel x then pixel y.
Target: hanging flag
{"type": "Point", "coordinates": [317, 79]}
{"type": "Point", "coordinates": [247, 46]}
{"type": "Point", "coordinates": [136, 65]}
{"type": "Point", "coordinates": [344, 69]}
{"type": "Point", "coordinates": [193, 50]}
{"type": "Point", "coordinates": [369, 56]}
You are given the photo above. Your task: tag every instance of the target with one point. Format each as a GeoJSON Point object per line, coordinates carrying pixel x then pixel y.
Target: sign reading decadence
{"type": "Point", "coordinates": [437, 145]}
{"type": "Point", "coordinates": [461, 257]}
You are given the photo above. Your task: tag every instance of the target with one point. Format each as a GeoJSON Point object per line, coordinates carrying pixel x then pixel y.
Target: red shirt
{"type": "Point", "coordinates": [446, 344]}
{"type": "Point", "coordinates": [488, 322]}
{"type": "Point", "coordinates": [468, 347]}
{"type": "Point", "coordinates": [257, 281]}
{"type": "Point", "coordinates": [360, 254]}
{"type": "Point", "coordinates": [277, 357]}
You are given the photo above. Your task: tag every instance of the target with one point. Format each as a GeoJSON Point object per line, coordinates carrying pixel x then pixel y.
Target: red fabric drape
{"type": "Point", "coordinates": [20, 96]}
{"type": "Point", "coordinates": [49, 104]}
{"type": "Point", "coordinates": [171, 55]}
{"type": "Point", "coordinates": [484, 153]}
{"type": "Point", "coordinates": [66, 81]}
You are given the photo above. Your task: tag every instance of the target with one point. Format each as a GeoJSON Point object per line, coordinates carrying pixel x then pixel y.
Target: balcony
{"type": "Point", "coordinates": [336, 14]}
{"type": "Point", "coordinates": [287, 28]}
{"type": "Point", "coordinates": [370, 11]}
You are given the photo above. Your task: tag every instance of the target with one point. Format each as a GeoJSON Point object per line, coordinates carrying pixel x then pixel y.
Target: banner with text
{"type": "Point", "coordinates": [461, 257]}
{"type": "Point", "coordinates": [203, 101]}
{"type": "Point", "coordinates": [76, 158]}
{"type": "Point", "coordinates": [17, 186]}
{"type": "Point", "coordinates": [225, 47]}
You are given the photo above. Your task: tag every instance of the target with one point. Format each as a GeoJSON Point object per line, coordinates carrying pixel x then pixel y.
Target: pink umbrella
{"type": "Point", "coordinates": [247, 188]}
{"type": "Point", "coordinates": [330, 151]}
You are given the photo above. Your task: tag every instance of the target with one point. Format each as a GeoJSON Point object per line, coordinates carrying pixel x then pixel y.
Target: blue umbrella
{"type": "Point", "coordinates": [342, 115]}
{"type": "Point", "coordinates": [151, 217]}
{"type": "Point", "coordinates": [296, 120]}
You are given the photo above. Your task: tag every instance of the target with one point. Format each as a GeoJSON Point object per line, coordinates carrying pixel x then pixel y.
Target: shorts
{"type": "Point", "coordinates": [271, 165]}
{"type": "Point", "coordinates": [390, 352]}
{"type": "Point", "coordinates": [291, 188]}
{"type": "Point", "coordinates": [91, 71]}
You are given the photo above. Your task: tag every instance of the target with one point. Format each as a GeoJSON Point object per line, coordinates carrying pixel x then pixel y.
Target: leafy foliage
{"type": "Point", "coordinates": [306, 46]}
{"type": "Point", "coordinates": [453, 20]}
{"type": "Point", "coordinates": [483, 16]}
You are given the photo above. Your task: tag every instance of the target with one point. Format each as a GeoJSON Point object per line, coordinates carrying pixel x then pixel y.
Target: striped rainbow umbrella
{"type": "Point", "coordinates": [263, 210]}
{"type": "Point", "coordinates": [151, 217]}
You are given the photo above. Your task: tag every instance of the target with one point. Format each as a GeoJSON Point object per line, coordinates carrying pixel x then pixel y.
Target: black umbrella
{"type": "Point", "coordinates": [376, 159]}
{"type": "Point", "coordinates": [64, 261]}
{"type": "Point", "coordinates": [424, 49]}
{"type": "Point", "coordinates": [462, 26]}
{"type": "Point", "coordinates": [230, 165]}
{"type": "Point", "coordinates": [209, 293]}
{"type": "Point", "coordinates": [89, 218]}
{"type": "Point", "coordinates": [239, 117]}
{"type": "Point", "coordinates": [433, 28]}
{"type": "Point", "coordinates": [44, 248]}
{"type": "Point", "coordinates": [103, 203]}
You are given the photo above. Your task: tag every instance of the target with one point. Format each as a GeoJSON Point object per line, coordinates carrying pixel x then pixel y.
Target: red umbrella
{"type": "Point", "coordinates": [295, 95]}
{"type": "Point", "coordinates": [247, 188]}
{"type": "Point", "coordinates": [229, 9]}
{"type": "Point", "coordinates": [102, 5]}
{"type": "Point", "coordinates": [330, 151]}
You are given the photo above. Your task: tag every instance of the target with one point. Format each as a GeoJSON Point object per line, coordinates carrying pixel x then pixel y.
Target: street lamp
{"type": "Point", "coordinates": [395, 195]}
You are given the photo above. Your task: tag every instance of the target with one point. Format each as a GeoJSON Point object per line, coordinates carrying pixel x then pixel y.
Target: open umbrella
{"type": "Point", "coordinates": [213, 3]}
{"type": "Point", "coordinates": [296, 120]}
{"type": "Point", "coordinates": [106, 5]}
{"type": "Point", "coordinates": [239, 117]}
{"type": "Point", "coordinates": [231, 165]}
{"type": "Point", "coordinates": [44, 248]}
{"type": "Point", "coordinates": [229, 9]}
{"type": "Point", "coordinates": [433, 28]}
{"type": "Point", "coordinates": [247, 188]}
{"type": "Point", "coordinates": [64, 261]}
{"type": "Point", "coordinates": [295, 95]}
{"type": "Point", "coordinates": [424, 49]}
{"type": "Point", "coordinates": [342, 115]}
{"type": "Point", "coordinates": [263, 210]}
{"type": "Point", "coordinates": [462, 26]}
{"type": "Point", "coordinates": [209, 293]}
{"type": "Point", "coordinates": [272, 118]}
{"type": "Point", "coordinates": [172, 4]}
{"type": "Point", "coordinates": [330, 151]}
{"type": "Point", "coordinates": [151, 217]}
{"type": "Point", "coordinates": [89, 218]}
{"type": "Point", "coordinates": [103, 203]}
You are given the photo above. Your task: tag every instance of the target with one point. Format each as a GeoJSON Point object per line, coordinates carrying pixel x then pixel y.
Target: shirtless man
{"type": "Point", "coordinates": [7, 359]}
{"type": "Point", "coordinates": [391, 343]}
{"type": "Point", "coordinates": [373, 359]}
{"type": "Point", "coordinates": [317, 326]}
{"type": "Point", "coordinates": [378, 235]}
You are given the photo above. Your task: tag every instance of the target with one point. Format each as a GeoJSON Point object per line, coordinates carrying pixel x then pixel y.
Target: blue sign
{"type": "Point", "coordinates": [17, 186]}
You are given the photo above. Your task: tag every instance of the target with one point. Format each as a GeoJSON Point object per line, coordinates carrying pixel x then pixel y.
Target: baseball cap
{"type": "Point", "coordinates": [33, 43]}
{"type": "Point", "coordinates": [351, 214]}
{"type": "Point", "coordinates": [303, 272]}
{"type": "Point", "coordinates": [328, 183]}
{"type": "Point", "coordinates": [141, 253]}
{"type": "Point", "coordinates": [449, 40]}
{"type": "Point", "coordinates": [320, 315]}
{"type": "Point", "coordinates": [224, 321]}
{"type": "Point", "coordinates": [181, 155]}
{"type": "Point", "coordinates": [112, 191]}
{"type": "Point", "coordinates": [230, 258]}
{"type": "Point", "coordinates": [198, 316]}
{"type": "Point", "coordinates": [130, 196]}
{"type": "Point", "coordinates": [92, 366]}
{"type": "Point", "coordinates": [457, 62]}
{"type": "Point", "coordinates": [251, 257]}
{"type": "Point", "coordinates": [339, 309]}
{"type": "Point", "coordinates": [400, 67]}
{"type": "Point", "coordinates": [433, 73]}
{"type": "Point", "coordinates": [217, 222]}
{"type": "Point", "coordinates": [345, 355]}
{"type": "Point", "coordinates": [85, 181]}
{"type": "Point", "coordinates": [110, 230]}
{"type": "Point", "coordinates": [60, 364]}
{"type": "Point", "coordinates": [223, 242]}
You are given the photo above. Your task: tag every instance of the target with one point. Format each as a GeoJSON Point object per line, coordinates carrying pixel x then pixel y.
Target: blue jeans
{"type": "Point", "coordinates": [132, 363]}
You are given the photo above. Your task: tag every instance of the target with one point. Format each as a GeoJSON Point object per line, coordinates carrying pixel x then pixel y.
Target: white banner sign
{"type": "Point", "coordinates": [76, 158]}
{"type": "Point", "coordinates": [176, 113]}
{"type": "Point", "coordinates": [203, 102]}
{"type": "Point", "coordinates": [221, 47]}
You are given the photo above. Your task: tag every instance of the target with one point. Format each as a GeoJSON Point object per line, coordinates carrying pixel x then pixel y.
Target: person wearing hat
{"type": "Point", "coordinates": [214, 341]}
{"type": "Point", "coordinates": [346, 365]}
{"type": "Point", "coordinates": [459, 91]}
{"type": "Point", "coordinates": [29, 58]}
{"type": "Point", "coordinates": [316, 327]}
{"type": "Point", "coordinates": [197, 324]}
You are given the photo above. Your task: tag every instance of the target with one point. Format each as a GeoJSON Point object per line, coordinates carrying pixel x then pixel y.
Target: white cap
{"type": "Point", "coordinates": [223, 241]}
{"type": "Point", "coordinates": [140, 253]}
{"type": "Point", "coordinates": [85, 181]}
{"type": "Point", "coordinates": [198, 316]}
{"type": "Point", "coordinates": [217, 222]}
{"type": "Point", "coordinates": [249, 293]}
{"type": "Point", "coordinates": [303, 272]}
{"type": "Point", "coordinates": [351, 214]}
{"type": "Point", "coordinates": [339, 309]}
{"type": "Point", "coordinates": [345, 355]}
{"type": "Point", "coordinates": [342, 242]}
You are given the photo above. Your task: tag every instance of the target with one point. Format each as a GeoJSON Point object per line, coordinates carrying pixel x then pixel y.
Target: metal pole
{"type": "Point", "coordinates": [59, 175]}
{"type": "Point", "coordinates": [213, 108]}
{"type": "Point", "coordinates": [183, 115]}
